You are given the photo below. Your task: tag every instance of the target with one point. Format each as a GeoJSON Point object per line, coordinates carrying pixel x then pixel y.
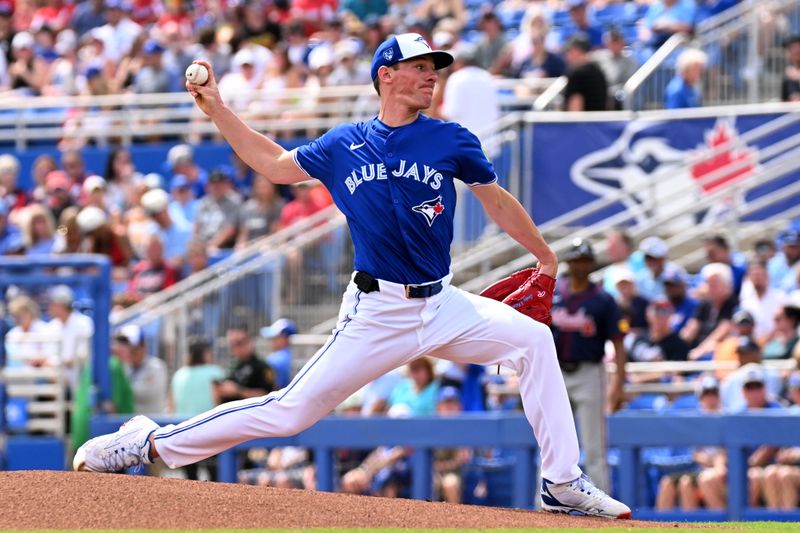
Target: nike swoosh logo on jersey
{"type": "Point", "coordinates": [354, 146]}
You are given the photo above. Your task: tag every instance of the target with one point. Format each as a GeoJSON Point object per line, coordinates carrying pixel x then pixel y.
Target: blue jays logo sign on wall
{"type": "Point", "coordinates": [653, 168]}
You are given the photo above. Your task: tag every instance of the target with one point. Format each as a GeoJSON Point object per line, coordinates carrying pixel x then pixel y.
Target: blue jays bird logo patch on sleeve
{"type": "Point", "coordinates": [430, 209]}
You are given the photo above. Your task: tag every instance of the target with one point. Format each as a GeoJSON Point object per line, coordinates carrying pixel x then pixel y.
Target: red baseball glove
{"type": "Point", "coordinates": [528, 291]}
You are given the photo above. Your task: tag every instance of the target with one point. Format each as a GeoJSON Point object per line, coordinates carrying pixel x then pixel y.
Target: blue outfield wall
{"type": "Point", "coordinates": [629, 433]}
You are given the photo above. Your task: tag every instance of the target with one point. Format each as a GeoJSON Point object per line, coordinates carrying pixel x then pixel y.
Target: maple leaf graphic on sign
{"type": "Point", "coordinates": [740, 158]}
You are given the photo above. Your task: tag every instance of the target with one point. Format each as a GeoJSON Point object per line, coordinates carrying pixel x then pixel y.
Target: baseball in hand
{"type": "Point", "coordinates": [197, 74]}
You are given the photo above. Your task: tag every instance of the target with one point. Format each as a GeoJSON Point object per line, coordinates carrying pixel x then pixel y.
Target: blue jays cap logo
{"type": "Point", "coordinates": [422, 40]}
{"type": "Point", "coordinates": [430, 209]}
{"type": "Point", "coordinates": [388, 54]}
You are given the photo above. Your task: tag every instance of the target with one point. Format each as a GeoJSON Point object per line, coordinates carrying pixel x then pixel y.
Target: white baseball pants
{"type": "Point", "coordinates": [378, 332]}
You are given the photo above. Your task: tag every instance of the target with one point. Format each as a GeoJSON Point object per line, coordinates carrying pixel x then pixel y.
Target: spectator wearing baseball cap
{"type": "Point", "coordinates": [631, 304]}
{"type": "Point", "coordinates": [659, 342]}
{"type": "Point", "coordinates": [280, 358]}
{"type": "Point", "coordinates": [94, 225]}
{"type": "Point", "coordinates": [676, 282]}
{"type": "Point", "coordinates": [726, 351]}
{"type": "Point", "coordinates": [180, 160]}
{"type": "Point", "coordinates": [217, 214]}
{"type": "Point", "coordinates": [650, 280]}
{"type": "Point", "coordinates": [152, 77]}
{"type": "Point", "coordinates": [183, 204]}
{"type": "Point", "coordinates": [57, 195]}
{"type": "Point", "coordinates": [751, 370]}
{"type": "Point", "coordinates": [175, 233]}
{"type": "Point", "coordinates": [148, 375]}
{"type": "Point", "coordinates": [93, 192]}
{"type": "Point", "coordinates": [784, 266]}
{"type": "Point", "coordinates": [72, 327]}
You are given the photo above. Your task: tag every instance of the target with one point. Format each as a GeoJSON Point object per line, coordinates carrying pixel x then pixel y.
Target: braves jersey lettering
{"type": "Point", "coordinates": [583, 322]}
{"type": "Point", "coordinates": [578, 322]}
{"type": "Point", "coordinates": [383, 178]}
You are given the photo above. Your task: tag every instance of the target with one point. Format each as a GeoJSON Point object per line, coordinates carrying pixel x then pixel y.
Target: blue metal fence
{"type": "Point", "coordinates": [89, 276]}
{"type": "Point", "coordinates": [629, 433]}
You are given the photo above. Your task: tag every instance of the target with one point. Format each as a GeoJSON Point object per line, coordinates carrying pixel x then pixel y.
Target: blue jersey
{"type": "Point", "coordinates": [395, 186]}
{"type": "Point", "coordinates": [583, 322]}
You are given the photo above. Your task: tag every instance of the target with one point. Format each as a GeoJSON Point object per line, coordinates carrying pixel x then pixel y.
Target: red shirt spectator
{"type": "Point", "coordinates": [306, 202]}
{"type": "Point", "coordinates": [56, 15]}
{"type": "Point", "coordinates": [152, 274]}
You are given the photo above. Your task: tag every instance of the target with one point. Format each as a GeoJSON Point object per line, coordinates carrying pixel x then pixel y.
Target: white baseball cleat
{"type": "Point", "coordinates": [581, 497]}
{"type": "Point", "coordinates": [129, 446]}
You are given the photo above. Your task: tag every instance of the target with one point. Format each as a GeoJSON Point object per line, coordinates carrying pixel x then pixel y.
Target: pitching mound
{"type": "Point", "coordinates": [68, 500]}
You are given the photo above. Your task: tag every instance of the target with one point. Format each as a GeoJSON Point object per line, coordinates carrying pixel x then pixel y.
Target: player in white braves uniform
{"type": "Point", "coordinates": [392, 177]}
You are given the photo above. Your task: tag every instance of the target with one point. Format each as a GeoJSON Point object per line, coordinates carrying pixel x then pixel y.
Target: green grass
{"type": "Point", "coordinates": [760, 527]}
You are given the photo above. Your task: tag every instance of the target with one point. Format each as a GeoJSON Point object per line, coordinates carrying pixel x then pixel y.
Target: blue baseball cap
{"type": "Point", "coordinates": [179, 181]}
{"type": "Point", "coordinates": [282, 326]}
{"type": "Point", "coordinates": [407, 46]}
{"type": "Point", "coordinates": [449, 393]}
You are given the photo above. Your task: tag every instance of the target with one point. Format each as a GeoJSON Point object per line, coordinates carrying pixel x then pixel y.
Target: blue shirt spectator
{"type": "Point", "coordinates": [680, 95]}
{"type": "Point", "coordinates": [732, 389]}
{"type": "Point", "coordinates": [175, 232]}
{"type": "Point", "coordinates": [88, 15]}
{"type": "Point", "coordinates": [280, 359]}
{"type": "Point", "coordinates": [11, 241]}
{"type": "Point", "coordinates": [418, 391]}
{"type": "Point", "coordinates": [682, 91]}
{"type": "Point", "coordinates": [664, 18]}
{"type": "Point", "coordinates": [782, 267]}
{"type": "Point", "coordinates": [184, 204]}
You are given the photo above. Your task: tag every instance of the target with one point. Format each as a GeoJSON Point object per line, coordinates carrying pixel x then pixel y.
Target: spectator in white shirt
{"type": "Point", "coordinates": [147, 375]}
{"type": "Point", "coordinates": [762, 300]}
{"type": "Point", "coordinates": [119, 33]}
{"type": "Point", "coordinates": [467, 85]}
{"type": "Point", "coordinates": [73, 328]}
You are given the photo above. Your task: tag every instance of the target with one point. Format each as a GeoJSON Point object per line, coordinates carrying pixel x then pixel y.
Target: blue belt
{"type": "Point", "coordinates": [367, 283]}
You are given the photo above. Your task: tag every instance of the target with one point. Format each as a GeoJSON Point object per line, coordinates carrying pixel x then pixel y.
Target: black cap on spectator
{"type": "Point", "coordinates": [579, 41]}
{"type": "Point", "coordinates": [742, 316]}
{"type": "Point", "coordinates": [791, 40]}
{"type": "Point", "coordinates": [579, 249]}
{"type": "Point", "coordinates": [791, 236]}
{"type": "Point", "coordinates": [218, 175]}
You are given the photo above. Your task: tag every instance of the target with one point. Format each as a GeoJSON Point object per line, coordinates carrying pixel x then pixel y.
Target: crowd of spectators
{"type": "Point", "coordinates": [97, 47]}
{"type": "Point", "coordinates": [152, 232]}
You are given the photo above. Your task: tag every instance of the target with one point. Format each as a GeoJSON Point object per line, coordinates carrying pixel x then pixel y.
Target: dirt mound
{"type": "Point", "coordinates": [71, 500]}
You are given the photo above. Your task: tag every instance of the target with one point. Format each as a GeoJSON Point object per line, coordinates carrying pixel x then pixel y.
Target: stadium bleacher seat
{"type": "Point", "coordinates": [648, 401]}
{"type": "Point", "coordinates": [684, 401]}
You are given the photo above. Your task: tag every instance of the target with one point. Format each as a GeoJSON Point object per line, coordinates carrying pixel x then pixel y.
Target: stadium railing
{"type": "Point", "coordinates": [629, 433]}
{"type": "Point", "coordinates": [128, 118]}
{"type": "Point", "coordinates": [744, 45]}
{"type": "Point", "coordinates": [776, 161]}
